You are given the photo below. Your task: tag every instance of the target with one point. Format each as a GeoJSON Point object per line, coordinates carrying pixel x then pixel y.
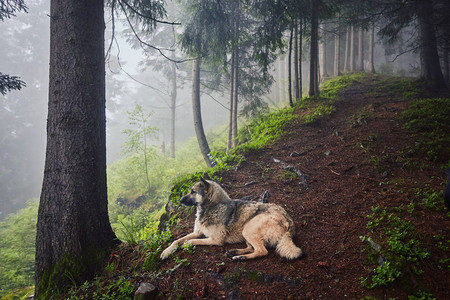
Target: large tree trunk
{"type": "Point", "coordinates": [360, 49]}
{"type": "Point", "coordinates": [313, 68]}
{"type": "Point", "coordinates": [371, 48]}
{"type": "Point", "coordinates": [197, 112]}
{"type": "Point", "coordinates": [173, 106]}
{"type": "Point", "coordinates": [73, 229]}
{"type": "Point", "coordinates": [429, 58]}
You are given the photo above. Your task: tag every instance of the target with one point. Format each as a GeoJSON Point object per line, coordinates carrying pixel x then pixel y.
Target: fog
{"type": "Point", "coordinates": [24, 52]}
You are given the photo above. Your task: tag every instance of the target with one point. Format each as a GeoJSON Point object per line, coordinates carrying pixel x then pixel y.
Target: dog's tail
{"type": "Point", "coordinates": [286, 247]}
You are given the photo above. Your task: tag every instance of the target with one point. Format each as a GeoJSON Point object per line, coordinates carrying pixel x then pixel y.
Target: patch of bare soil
{"type": "Point", "coordinates": [335, 155]}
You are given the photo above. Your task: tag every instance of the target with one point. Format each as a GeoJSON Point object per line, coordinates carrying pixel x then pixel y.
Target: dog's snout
{"type": "Point", "coordinates": [187, 200]}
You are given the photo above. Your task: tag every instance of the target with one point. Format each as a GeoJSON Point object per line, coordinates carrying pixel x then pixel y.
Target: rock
{"type": "Point", "coordinates": [146, 291]}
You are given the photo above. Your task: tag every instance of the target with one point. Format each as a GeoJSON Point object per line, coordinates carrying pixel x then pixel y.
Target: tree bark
{"type": "Point", "coordinates": [446, 65]}
{"type": "Point", "coordinates": [352, 49]}
{"type": "Point", "coordinates": [230, 121]}
{"type": "Point", "coordinates": [236, 97]}
{"type": "Point", "coordinates": [323, 55]}
{"type": "Point", "coordinates": [429, 58]}
{"type": "Point", "coordinates": [173, 106]}
{"type": "Point", "coordinates": [300, 54]}
{"type": "Point", "coordinates": [337, 45]}
{"type": "Point", "coordinates": [347, 40]}
{"type": "Point", "coordinates": [291, 103]}
{"type": "Point", "coordinates": [73, 229]}
{"type": "Point", "coordinates": [197, 112]}
{"type": "Point", "coordinates": [313, 70]}
{"type": "Point", "coordinates": [371, 48]}
{"type": "Point", "coordinates": [360, 49]}
{"type": "Point", "coordinates": [296, 66]}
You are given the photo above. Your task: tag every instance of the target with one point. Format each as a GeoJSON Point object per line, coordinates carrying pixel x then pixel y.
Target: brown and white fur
{"type": "Point", "coordinates": [221, 220]}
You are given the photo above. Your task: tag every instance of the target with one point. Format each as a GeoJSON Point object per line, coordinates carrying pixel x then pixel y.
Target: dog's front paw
{"type": "Point", "coordinates": [239, 258]}
{"type": "Point", "coordinates": [165, 254]}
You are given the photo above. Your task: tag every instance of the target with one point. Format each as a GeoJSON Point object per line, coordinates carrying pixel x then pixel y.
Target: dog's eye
{"type": "Point", "coordinates": [193, 192]}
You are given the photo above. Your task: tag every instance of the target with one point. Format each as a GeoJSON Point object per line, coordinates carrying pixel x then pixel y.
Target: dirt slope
{"type": "Point", "coordinates": [344, 183]}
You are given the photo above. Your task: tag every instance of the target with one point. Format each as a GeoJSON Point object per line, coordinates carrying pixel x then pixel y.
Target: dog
{"type": "Point", "coordinates": [221, 220]}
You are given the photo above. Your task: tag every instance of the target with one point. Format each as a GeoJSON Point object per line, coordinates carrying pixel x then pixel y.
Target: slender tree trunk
{"type": "Point", "coordinates": [283, 77]}
{"type": "Point", "coordinates": [446, 66]}
{"type": "Point", "coordinates": [347, 40]}
{"type": "Point", "coordinates": [291, 103]}
{"type": "Point", "coordinates": [296, 80]}
{"type": "Point", "coordinates": [429, 58]}
{"type": "Point", "coordinates": [73, 229]}
{"type": "Point", "coordinates": [360, 49]}
{"type": "Point", "coordinates": [313, 70]}
{"type": "Point", "coordinates": [230, 120]}
{"type": "Point", "coordinates": [197, 111]}
{"type": "Point", "coordinates": [236, 80]}
{"type": "Point", "coordinates": [277, 87]}
{"type": "Point", "coordinates": [236, 97]}
{"type": "Point", "coordinates": [147, 177]}
{"type": "Point", "coordinates": [300, 54]}
{"type": "Point", "coordinates": [352, 49]}
{"type": "Point", "coordinates": [323, 55]}
{"type": "Point", "coordinates": [371, 48]}
{"type": "Point", "coordinates": [173, 106]}
{"type": "Point", "coordinates": [337, 59]}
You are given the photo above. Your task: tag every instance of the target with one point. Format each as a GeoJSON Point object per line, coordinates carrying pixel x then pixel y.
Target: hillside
{"type": "Point", "coordinates": [359, 161]}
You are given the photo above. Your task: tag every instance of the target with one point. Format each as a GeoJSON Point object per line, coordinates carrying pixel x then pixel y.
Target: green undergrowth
{"type": "Point", "coordinates": [428, 120]}
{"type": "Point", "coordinates": [397, 87]}
{"type": "Point", "coordinates": [398, 250]}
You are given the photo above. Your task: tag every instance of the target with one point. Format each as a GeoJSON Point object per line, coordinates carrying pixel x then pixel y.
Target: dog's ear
{"type": "Point", "coordinates": [206, 183]}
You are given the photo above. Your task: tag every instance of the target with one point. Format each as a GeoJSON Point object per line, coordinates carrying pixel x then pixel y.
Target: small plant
{"type": "Point", "coordinates": [383, 275]}
{"type": "Point", "coordinates": [400, 248]}
{"type": "Point", "coordinates": [188, 248]}
{"type": "Point", "coordinates": [429, 198]}
{"type": "Point", "coordinates": [319, 112]}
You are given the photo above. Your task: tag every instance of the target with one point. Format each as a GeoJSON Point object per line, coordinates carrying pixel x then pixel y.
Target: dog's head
{"type": "Point", "coordinates": [197, 194]}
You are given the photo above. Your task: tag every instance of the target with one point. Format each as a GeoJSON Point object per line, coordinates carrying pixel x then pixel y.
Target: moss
{"type": "Point", "coordinates": [70, 270]}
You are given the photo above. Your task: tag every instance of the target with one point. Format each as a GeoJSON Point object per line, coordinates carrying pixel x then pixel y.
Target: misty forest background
{"type": "Point", "coordinates": [150, 133]}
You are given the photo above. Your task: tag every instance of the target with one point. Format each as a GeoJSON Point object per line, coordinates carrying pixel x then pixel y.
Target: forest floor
{"type": "Point", "coordinates": [355, 159]}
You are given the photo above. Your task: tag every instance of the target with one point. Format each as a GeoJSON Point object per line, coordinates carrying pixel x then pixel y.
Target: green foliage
{"type": "Point", "coordinates": [401, 247]}
{"type": "Point", "coordinates": [332, 88]}
{"type": "Point", "coordinates": [429, 122]}
{"type": "Point", "coordinates": [119, 288]}
{"type": "Point", "coordinates": [137, 226]}
{"type": "Point", "coordinates": [140, 131]}
{"type": "Point", "coordinates": [319, 112]}
{"type": "Point", "coordinates": [383, 275]}
{"type": "Point", "coordinates": [153, 249]}
{"type": "Point", "coordinates": [17, 248]}
{"type": "Point", "coordinates": [429, 198]}
{"type": "Point", "coordinates": [398, 87]}
{"type": "Point", "coordinates": [265, 129]}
